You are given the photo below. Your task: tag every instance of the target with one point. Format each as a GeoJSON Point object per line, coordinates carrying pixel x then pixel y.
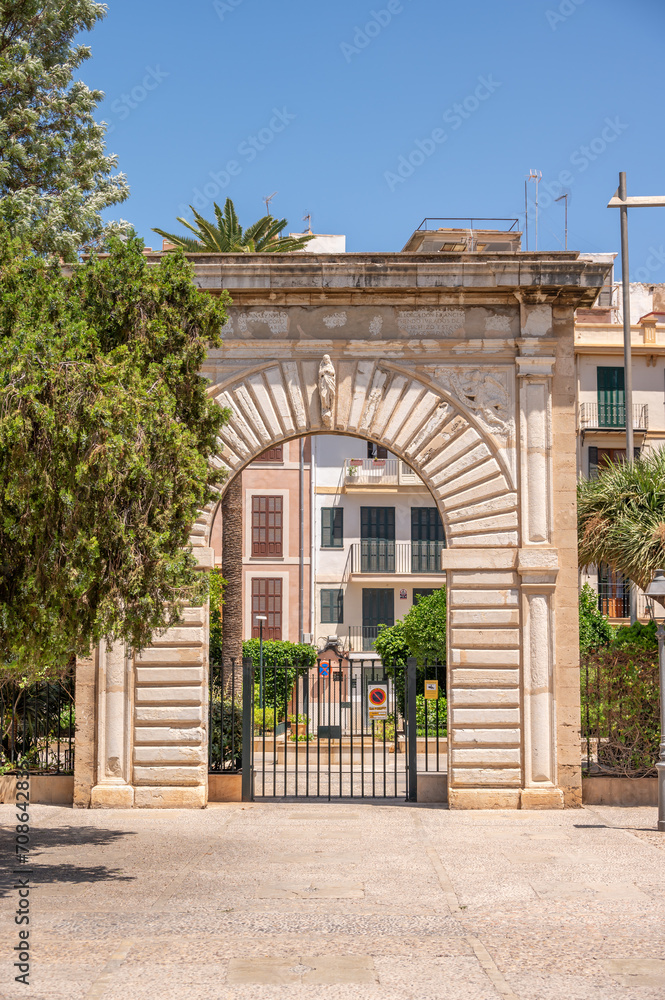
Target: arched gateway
{"type": "Point", "coordinates": [462, 366]}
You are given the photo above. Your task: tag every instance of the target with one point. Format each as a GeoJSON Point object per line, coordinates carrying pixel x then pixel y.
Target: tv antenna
{"type": "Point", "coordinates": [308, 219]}
{"type": "Point", "coordinates": [561, 198]}
{"type": "Point", "coordinates": [534, 175]}
{"type": "Point", "coordinates": [267, 200]}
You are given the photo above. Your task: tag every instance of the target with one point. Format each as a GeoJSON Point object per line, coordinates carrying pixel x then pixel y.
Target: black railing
{"type": "Point", "coordinates": [362, 638]}
{"type": "Point", "coordinates": [225, 717]}
{"type": "Point", "coordinates": [386, 556]}
{"type": "Point", "coordinates": [620, 713]}
{"type": "Point", "coordinates": [426, 557]}
{"type": "Point", "coordinates": [614, 599]}
{"type": "Point", "coordinates": [37, 727]}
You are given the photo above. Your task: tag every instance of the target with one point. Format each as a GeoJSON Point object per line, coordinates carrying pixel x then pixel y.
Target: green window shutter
{"type": "Point", "coordinates": [332, 527]}
{"type": "Point", "coordinates": [332, 607]}
{"type": "Point", "coordinates": [611, 397]}
{"type": "Point", "coordinates": [593, 463]}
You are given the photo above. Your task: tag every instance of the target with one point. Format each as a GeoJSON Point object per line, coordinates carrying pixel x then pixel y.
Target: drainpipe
{"type": "Point", "coordinates": [301, 538]}
{"type": "Point", "coordinates": [312, 525]}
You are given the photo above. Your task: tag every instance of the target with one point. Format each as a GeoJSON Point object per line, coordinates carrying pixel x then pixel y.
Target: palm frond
{"type": "Point", "coordinates": [183, 242]}
{"type": "Point", "coordinates": [228, 236]}
{"type": "Point", "coordinates": [621, 517]}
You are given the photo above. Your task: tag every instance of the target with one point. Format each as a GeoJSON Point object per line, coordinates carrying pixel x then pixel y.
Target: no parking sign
{"type": "Point", "coordinates": [377, 701]}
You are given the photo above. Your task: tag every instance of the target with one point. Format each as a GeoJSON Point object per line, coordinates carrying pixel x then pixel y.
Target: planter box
{"type": "Point", "coordinates": [602, 791]}
{"type": "Point", "coordinates": [45, 789]}
{"type": "Point", "coordinates": [225, 788]}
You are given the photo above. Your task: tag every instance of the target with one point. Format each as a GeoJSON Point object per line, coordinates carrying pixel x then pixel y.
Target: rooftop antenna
{"type": "Point", "coordinates": [535, 175]}
{"type": "Point", "coordinates": [561, 198]}
{"type": "Point", "coordinates": [267, 200]}
{"type": "Point", "coordinates": [308, 219]}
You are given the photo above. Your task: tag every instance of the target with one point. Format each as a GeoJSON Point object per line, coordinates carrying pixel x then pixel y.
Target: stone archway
{"type": "Point", "coordinates": [466, 374]}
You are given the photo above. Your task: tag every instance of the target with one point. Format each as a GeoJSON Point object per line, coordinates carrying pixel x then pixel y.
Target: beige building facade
{"type": "Point", "coordinates": [463, 366]}
{"type": "Point", "coordinates": [601, 412]}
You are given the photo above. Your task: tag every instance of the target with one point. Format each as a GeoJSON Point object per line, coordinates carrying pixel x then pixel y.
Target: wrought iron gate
{"type": "Point", "coordinates": [315, 732]}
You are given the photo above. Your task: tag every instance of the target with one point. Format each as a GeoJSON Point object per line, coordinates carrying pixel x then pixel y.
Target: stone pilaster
{"type": "Point", "coordinates": [113, 786]}
{"type": "Point", "coordinates": [85, 757]}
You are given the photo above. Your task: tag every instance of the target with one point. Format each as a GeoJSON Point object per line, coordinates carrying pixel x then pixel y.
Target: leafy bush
{"type": "Point", "coordinates": [421, 633]}
{"type": "Point", "coordinates": [217, 584]}
{"type": "Point", "coordinates": [426, 709]}
{"type": "Point", "coordinates": [225, 733]}
{"type": "Point", "coordinates": [281, 662]}
{"type": "Point", "coordinates": [620, 702]}
{"type": "Point", "coordinates": [595, 628]}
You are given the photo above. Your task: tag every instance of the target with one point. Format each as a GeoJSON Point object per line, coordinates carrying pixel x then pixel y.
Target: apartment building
{"type": "Point", "coordinates": [377, 541]}
{"type": "Point", "coordinates": [601, 409]}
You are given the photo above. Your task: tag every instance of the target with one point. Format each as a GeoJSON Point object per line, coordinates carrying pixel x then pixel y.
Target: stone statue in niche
{"type": "Point", "coordinates": [327, 384]}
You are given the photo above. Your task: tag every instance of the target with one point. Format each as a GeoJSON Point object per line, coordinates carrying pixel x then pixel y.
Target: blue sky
{"type": "Point", "coordinates": [348, 110]}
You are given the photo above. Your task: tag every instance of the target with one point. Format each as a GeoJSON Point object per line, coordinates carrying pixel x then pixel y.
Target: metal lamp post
{"type": "Point", "coordinates": [622, 201]}
{"type": "Point", "coordinates": [261, 619]}
{"type": "Point", "coordinates": [656, 590]}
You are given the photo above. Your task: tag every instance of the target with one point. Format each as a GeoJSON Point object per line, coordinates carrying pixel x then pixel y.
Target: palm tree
{"type": "Point", "coordinates": [228, 235]}
{"type": "Point", "coordinates": [621, 517]}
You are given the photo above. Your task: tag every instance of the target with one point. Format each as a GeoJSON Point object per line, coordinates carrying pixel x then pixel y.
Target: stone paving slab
{"type": "Point", "coordinates": [329, 901]}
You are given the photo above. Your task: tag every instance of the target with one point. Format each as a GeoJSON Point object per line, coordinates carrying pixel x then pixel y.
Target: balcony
{"type": "Point", "coordinates": [362, 638]}
{"type": "Point", "coordinates": [401, 558]}
{"type": "Point", "coordinates": [379, 472]}
{"type": "Point", "coordinates": [612, 416]}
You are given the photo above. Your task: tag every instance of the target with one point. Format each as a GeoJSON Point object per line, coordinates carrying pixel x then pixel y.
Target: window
{"type": "Point", "coordinates": [427, 540]}
{"type": "Point", "coordinates": [611, 397]}
{"type": "Point", "coordinates": [332, 527]}
{"type": "Point", "coordinates": [599, 457]}
{"type": "Point", "coordinates": [332, 607]}
{"type": "Point", "coordinates": [419, 592]}
{"type": "Point", "coordinates": [275, 454]}
{"type": "Point", "coordinates": [376, 450]}
{"type": "Point", "coordinates": [377, 539]}
{"type": "Point", "coordinates": [267, 600]}
{"type": "Point", "coordinates": [613, 593]}
{"type": "Point", "coordinates": [267, 526]}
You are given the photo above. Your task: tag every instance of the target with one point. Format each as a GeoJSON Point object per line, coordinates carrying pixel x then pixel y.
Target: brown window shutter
{"type": "Point", "coordinates": [267, 600]}
{"type": "Point", "coordinates": [267, 526]}
{"type": "Point", "coordinates": [275, 454]}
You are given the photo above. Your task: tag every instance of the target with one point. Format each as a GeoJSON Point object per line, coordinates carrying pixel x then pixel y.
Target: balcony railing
{"type": "Point", "coordinates": [378, 472]}
{"type": "Point", "coordinates": [609, 416]}
{"type": "Point", "coordinates": [362, 638]}
{"type": "Point", "coordinates": [377, 556]}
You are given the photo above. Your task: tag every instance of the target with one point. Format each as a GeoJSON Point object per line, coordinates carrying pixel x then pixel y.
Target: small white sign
{"type": "Point", "coordinates": [377, 701]}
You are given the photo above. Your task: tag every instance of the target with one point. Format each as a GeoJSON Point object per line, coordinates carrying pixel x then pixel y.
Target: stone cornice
{"type": "Point", "coordinates": [537, 277]}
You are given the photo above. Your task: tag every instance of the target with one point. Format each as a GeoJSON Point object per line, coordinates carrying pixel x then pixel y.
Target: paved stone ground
{"type": "Point", "coordinates": [316, 900]}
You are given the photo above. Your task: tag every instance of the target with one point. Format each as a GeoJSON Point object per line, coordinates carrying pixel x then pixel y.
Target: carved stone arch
{"type": "Point", "coordinates": [415, 419]}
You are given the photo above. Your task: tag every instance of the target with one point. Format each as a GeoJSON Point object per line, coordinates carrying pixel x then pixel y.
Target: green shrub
{"type": "Point", "coordinates": [595, 627]}
{"type": "Point", "coordinates": [281, 662]}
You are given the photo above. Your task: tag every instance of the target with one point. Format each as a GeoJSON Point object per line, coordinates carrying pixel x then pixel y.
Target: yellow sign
{"type": "Point", "coordinates": [432, 689]}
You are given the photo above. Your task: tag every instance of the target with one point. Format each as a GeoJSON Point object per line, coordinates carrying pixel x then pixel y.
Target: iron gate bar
{"type": "Point", "coordinates": [247, 727]}
{"type": "Point", "coordinates": [411, 730]}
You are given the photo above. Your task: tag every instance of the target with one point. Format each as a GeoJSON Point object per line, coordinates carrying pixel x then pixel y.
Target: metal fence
{"type": "Point", "coordinates": [620, 714]}
{"type": "Point", "coordinates": [225, 717]}
{"type": "Point", "coordinates": [387, 556]}
{"type": "Point", "coordinates": [37, 726]}
{"type": "Point", "coordinates": [315, 732]}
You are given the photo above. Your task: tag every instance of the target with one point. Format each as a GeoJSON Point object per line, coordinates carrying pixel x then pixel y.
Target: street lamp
{"type": "Point", "coordinates": [656, 590]}
{"type": "Point", "coordinates": [622, 201]}
{"type": "Point", "coordinates": [261, 619]}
